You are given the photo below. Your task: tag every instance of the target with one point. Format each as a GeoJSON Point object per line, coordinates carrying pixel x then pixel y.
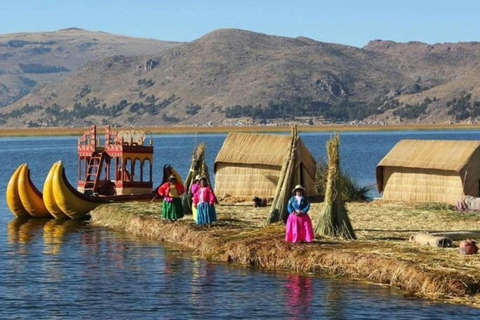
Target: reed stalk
{"type": "Point", "coordinates": [197, 167]}
{"type": "Point", "coordinates": [278, 209]}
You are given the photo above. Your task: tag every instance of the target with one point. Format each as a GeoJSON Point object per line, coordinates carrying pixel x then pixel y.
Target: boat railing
{"type": "Point", "coordinates": [151, 139]}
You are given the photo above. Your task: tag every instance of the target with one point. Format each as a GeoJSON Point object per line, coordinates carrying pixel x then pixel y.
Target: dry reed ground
{"type": "Point", "coordinates": [382, 253]}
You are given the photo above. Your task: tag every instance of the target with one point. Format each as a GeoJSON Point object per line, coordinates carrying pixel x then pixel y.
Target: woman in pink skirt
{"type": "Point", "coordinates": [299, 226]}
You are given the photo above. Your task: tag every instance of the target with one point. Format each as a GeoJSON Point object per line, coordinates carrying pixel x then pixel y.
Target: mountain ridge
{"type": "Point", "coordinates": [30, 59]}
{"type": "Point", "coordinates": [234, 73]}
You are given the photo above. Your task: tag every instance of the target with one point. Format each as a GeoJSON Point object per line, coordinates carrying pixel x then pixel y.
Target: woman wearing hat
{"type": "Point", "coordinates": [204, 201]}
{"type": "Point", "coordinates": [299, 226]}
{"type": "Point", "coordinates": [172, 204]}
{"type": "Point", "coordinates": [193, 189]}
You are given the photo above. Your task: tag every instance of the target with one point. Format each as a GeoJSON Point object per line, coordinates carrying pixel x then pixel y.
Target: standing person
{"type": "Point", "coordinates": [299, 226]}
{"type": "Point", "coordinates": [193, 189]}
{"type": "Point", "coordinates": [204, 201]}
{"type": "Point", "coordinates": [172, 204]}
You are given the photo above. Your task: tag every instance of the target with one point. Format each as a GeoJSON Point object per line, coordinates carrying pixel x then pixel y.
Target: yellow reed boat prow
{"type": "Point", "coordinates": [74, 204]}
{"type": "Point", "coordinates": [13, 198]}
{"type": "Point", "coordinates": [30, 196]}
{"type": "Point", "coordinates": [49, 195]}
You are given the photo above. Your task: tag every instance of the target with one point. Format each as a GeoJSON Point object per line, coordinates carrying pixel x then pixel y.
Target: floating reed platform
{"type": "Point", "coordinates": [382, 253]}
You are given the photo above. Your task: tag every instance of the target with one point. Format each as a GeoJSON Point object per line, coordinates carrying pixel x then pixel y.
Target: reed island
{"type": "Point", "coordinates": [381, 254]}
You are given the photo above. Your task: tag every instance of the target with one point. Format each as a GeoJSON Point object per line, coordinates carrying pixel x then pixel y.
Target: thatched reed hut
{"type": "Point", "coordinates": [430, 171]}
{"type": "Point", "coordinates": [250, 165]}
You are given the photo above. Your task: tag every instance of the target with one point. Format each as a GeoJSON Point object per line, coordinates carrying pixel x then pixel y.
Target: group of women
{"type": "Point", "coordinates": [299, 225]}
{"type": "Point", "coordinates": [203, 200]}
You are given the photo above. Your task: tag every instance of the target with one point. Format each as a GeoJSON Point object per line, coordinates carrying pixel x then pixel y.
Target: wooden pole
{"type": "Point", "coordinates": [278, 208]}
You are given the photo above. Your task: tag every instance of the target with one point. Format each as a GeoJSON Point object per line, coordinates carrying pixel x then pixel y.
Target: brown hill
{"type": "Point", "coordinates": [443, 72]}
{"type": "Point", "coordinates": [30, 59]}
{"type": "Point", "coordinates": [264, 77]}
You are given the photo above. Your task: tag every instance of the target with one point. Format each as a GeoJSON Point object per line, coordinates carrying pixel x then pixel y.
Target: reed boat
{"type": "Point", "coordinates": [117, 168]}
{"type": "Point", "coordinates": [30, 196]}
{"type": "Point", "coordinates": [72, 203]}
{"type": "Point", "coordinates": [12, 196]}
{"type": "Point", "coordinates": [49, 195]}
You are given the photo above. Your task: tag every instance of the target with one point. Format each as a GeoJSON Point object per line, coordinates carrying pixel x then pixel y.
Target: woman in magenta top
{"type": "Point", "coordinates": [204, 200]}
{"type": "Point", "coordinates": [193, 189]}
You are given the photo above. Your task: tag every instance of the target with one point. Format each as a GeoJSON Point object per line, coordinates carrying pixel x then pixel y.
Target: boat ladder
{"type": "Point", "coordinates": [94, 169]}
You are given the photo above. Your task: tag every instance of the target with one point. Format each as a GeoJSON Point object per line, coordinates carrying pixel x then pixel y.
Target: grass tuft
{"type": "Point", "coordinates": [351, 190]}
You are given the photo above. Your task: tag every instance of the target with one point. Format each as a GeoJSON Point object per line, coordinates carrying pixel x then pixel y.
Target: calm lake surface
{"type": "Point", "coordinates": [56, 270]}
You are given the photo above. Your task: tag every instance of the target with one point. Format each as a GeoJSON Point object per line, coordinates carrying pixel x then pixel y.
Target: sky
{"type": "Point", "coordinates": [346, 22]}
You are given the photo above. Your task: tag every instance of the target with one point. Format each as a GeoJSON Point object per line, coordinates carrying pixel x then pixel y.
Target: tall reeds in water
{"type": "Point", "coordinates": [334, 220]}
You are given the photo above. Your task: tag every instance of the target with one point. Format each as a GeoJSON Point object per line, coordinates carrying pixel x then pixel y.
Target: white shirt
{"type": "Point", "coordinates": [298, 199]}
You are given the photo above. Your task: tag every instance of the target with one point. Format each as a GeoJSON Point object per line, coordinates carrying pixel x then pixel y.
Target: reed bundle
{"type": "Point", "coordinates": [278, 209]}
{"type": "Point", "coordinates": [197, 167]}
{"type": "Point", "coordinates": [334, 221]}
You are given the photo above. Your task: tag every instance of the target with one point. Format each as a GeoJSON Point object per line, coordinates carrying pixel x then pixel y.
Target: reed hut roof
{"type": "Point", "coordinates": [261, 149]}
{"type": "Point", "coordinates": [431, 154]}
{"type": "Point", "coordinates": [444, 155]}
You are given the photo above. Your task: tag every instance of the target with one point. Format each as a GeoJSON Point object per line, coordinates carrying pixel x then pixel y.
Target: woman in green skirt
{"type": "Point", "coordinates": [172, 204]}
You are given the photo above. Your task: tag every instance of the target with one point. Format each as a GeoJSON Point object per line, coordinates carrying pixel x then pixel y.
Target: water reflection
{"type": "Point", "coordinates": [13, 229]}
{"type": "Point", "coordinates": [196, 278]}
{"type": "Point", "coordinates": [99, 245]}
{"type": "Point", "coordinates": [22, 231]}
{"type": "Point", "coordinates": [202, 283]}
{"type": "Point", "coordinates": [54, 232]}
{"type": "Point", "coordinates": [335, 300]}
{"type": "Point", "coordinates": [72, 268]}
{"type": "Point", "coordinates": [298, 296]}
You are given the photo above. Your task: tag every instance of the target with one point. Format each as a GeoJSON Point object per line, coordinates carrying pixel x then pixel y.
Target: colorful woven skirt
{"type": "Point", "coordinates": [172, 210]}
{"type": "Point", "coordinates": [206, 213]}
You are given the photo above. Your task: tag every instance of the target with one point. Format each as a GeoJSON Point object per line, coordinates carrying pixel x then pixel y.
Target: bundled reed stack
{"type": "Point", "coordinates": [278, 209]}
{"type": "Point", "coordinates": [197, 167]}
{"type": "Point", "coordinates": [334, 221]}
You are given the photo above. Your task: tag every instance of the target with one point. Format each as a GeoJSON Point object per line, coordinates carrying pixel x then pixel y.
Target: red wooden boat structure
{"type": "Point", "coordinates": [117, 166]}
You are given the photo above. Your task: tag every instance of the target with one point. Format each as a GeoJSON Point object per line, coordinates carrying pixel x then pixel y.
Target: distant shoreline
{"type": "Point", "coordinates": [29, 132]}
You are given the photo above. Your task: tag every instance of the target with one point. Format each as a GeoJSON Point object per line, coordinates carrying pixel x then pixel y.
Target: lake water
{"type": "Point", "coordinates": [56, 270]}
